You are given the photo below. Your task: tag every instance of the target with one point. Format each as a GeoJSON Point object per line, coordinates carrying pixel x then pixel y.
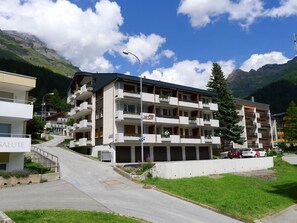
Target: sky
{"type": "Point", "coordinates": [176, 40]}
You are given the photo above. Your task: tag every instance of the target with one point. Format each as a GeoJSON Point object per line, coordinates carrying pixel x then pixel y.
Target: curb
{"type": "Point", "coordinates": [4, 218]}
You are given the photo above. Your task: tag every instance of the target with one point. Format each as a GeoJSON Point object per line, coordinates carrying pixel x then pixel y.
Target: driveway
{"type": "Point", "coordinates": [98, 186]}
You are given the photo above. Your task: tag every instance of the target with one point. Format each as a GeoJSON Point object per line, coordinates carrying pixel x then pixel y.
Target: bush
{"type": "Point", "coordinates": [272, 153]}
{"type": "Point", "coordinates": [18, 174]}
{"type": "Point", "coordinates": [146, 166]}
{"type": "Point", "coordinates": [36, 168]}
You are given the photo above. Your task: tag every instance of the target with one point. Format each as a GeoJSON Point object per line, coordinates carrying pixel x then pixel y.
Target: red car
{"type": "Point", "coordinates": [235, 153]}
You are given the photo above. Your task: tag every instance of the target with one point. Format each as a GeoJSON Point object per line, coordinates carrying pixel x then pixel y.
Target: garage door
{"type": "Point", "coordinates": [123, 154]}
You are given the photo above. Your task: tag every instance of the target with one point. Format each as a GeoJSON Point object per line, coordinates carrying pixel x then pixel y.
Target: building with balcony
{"type": "Point", "coordinates": [178, 121]}
{"type": "Point", "coordinates": [256, 119]}
{"type": "Point", "coordinates": [15, 111]}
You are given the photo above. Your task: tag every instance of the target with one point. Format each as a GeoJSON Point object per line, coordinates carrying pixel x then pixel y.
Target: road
{"type": "Point", "coordinates": [103, 189]}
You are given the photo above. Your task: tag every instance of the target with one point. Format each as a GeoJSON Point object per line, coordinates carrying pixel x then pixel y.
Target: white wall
{"type": "Point", "coordinates": [16, 161]}
{"type": "Point", "coordinates": [174, 170]}
{"type": "Point", "coordinates": [108, 113]}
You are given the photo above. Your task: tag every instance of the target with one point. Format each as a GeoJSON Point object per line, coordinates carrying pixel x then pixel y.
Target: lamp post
{"type": "Point", "coordinates": [141, 118]}
{"type": "Point", "coordinates": [42, 106]}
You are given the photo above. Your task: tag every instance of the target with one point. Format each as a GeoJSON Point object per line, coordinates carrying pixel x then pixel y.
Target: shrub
{"type": "Point", "coordinates": [17, 173]}
{"type": "Point", "coordinates": [272, 153]}
{"type": "Point", "coordinates": [146, 166]}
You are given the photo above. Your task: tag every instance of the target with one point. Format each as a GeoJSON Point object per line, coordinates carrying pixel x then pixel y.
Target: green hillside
{"type": "Point", "coordinates": [46, 82]}
{"type": "Point", "coordinates": [27, 48]}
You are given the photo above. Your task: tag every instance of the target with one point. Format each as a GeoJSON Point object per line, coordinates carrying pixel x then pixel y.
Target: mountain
{"type": "Point", "coordinates": [28, 48]}
{"type": "Point", "coordinates": [243, 84]}
{"type": "Point", "coordinates": [274, 84]}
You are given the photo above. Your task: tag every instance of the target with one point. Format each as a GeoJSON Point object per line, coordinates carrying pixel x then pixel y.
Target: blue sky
{"type": "Point", "coordinates": [176, 40]}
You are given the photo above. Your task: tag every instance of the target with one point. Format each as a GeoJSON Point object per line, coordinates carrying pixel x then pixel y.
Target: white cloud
{"type": "Point", "coordinates": [145, 47]}
{"type": "Point", "coordinates": [258, 60]}
{"type": "Point", "coordinates": [188, 72]}
{"type": "Point", "coordinates": [286, 8]}
{"type": "Point", "coordinates": [82, 37]}
{"type": "Point", "coordinates": [168, 53]}
{"type": "Point", "coordinates": [203, 12]}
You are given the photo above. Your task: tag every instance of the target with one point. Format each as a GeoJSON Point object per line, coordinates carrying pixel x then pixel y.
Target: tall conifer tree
{"type": "Point", "coordinates": [290, 126]}
{"type": "Point", "coordinates": [229, 130]}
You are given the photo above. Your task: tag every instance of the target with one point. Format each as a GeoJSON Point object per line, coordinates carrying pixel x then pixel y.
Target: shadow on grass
{"type": "Point", "coordinates": [286, 190]}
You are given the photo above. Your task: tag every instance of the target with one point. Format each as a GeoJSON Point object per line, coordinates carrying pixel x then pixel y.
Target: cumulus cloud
{"type": "Point", "coordinates": [145, 47]}
{"type": "Point", "coordinates": [286, 8]}
{"type": "Point", "coordinates": [258, 60]}
{"type": "Point", "coordinates": [84, 37]}
{"type": "Point", "coordinates": [202, 12]}
{"type": "Point", "coordinates": [188, 72]}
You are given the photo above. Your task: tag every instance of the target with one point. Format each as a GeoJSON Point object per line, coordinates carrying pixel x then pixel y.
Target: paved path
{"type": "Point", "coordinates": [96, 181]}
{"type": "Point", "coordinates": [290, 158]}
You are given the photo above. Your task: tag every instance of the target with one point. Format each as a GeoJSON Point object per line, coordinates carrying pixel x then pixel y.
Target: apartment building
{"type": "Point", "coordinates": [178, 121]}
{"type": "Point", "coordinates": [15, 110]}
{"type": "Point", "coordinates": [256, 119]}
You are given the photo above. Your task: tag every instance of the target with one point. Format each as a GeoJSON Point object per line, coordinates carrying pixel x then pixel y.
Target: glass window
{"type": "Point", "coordinates": [5, 130]}
{"type": "Point", "coordinates": [6, 96]}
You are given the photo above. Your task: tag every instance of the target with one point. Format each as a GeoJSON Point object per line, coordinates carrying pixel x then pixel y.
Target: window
{"type": "Point", "coordinates": [5, 130]}
{"type": "Point", "coordinates": [2, 166]}
{"type": "Point", "coordinates": [205, 100]}
{"type": "Point", "coordinates": [129, 108]}
{"type": "Point", "coordinates": [6, 96]}
{"type": "Point", "coordinates": [206, 117]}
{"type": "Point", "coordinates": [166, 112]}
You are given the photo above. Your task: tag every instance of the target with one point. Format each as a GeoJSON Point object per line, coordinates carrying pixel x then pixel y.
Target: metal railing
{"type": "Point", "coordinates": [47, 159]}
{"type": "Point", "coordinates": [16, 100]}
{"type": "Point", "coordinates": [12, 135]}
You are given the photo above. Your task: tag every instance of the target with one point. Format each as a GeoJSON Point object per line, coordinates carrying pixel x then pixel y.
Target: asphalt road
{"type": "Point", "coordinates": [89, 184]}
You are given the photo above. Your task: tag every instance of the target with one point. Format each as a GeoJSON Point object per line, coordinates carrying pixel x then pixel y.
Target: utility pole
{"type": "Point", "coordinates": [295, 43]}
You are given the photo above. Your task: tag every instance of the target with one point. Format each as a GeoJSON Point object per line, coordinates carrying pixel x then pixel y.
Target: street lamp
{"type": "Point", "coordinates": [42, 106]}
{"type": "Point", "coordinates": [141, 118]}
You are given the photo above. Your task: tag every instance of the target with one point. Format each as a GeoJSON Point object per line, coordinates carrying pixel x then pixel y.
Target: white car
{"type": "Point", "coordinates": [253, 153]}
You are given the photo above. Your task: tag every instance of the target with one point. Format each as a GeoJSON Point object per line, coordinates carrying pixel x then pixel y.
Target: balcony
{"type": "Point", "coordinates": [83, 109]}
{"type": "Point", "coordinates": [17, 109]}
{"type": "Point", "coordinates": [84, 126]}
{"type": "Point", "coordinates": [71, 98]}
{"type": "Point", "coordinates": [211, 122]}
{"type": "Point", "coordinates": [210, 139]}
{"type": "Point", "coordinates": [189, 104]}
{"type": "Point", "coordinates": [166, 99]}
{"type": "Point", "coordinates": [240, 112]}
{"type": "Point", "coordinates": [168, 139]}
{"type": "Point", "coordinates": [190, 140]}
{"type": "Point", "coordinates": [167, 120]}
{"type": "Point", "coordinates": [211, 106]}
{"type": "Point", "coordinates": [73, 144]}
{"type": "Point", "coordinates": [84, 142]}
{"type": "Point", "coordinates": [84, 92]}
{"type": "Point", "coordinates": [17, 143]}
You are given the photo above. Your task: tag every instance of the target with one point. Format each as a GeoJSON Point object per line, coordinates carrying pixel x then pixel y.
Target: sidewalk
{"type": "Point", "coordinates": [288, 215]}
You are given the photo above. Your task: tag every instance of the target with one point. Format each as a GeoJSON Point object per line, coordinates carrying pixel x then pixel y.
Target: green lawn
{"type": "Point", "coordinates": [245, 198]}
{"type": "Point", "coordinates": [67, 216]}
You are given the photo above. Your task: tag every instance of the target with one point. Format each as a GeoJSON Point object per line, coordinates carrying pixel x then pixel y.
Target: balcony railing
{"type": "Point", "coordinates": [15, 142]}
{"type": "Point", "coordinates": [14, 108]}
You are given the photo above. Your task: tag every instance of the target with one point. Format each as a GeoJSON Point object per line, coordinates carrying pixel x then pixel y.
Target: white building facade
{"type": "Point", "coordinates": [255, 118]}
{"type": "Point", "coordinates": [178, 121]}
{"type": "Point", "coordinates": [15, 110]}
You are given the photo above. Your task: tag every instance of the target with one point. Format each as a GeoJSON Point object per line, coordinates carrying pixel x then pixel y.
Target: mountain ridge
{"type": "Point", "coordinates": [28, 48]}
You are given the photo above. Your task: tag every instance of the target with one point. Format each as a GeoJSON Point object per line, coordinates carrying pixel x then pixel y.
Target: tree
{"type": "Point", "coordinates": [290, 125]}
{"type": "Point", "coordinates": [35, 126]}
{"type": "Point", "coordinates": [229, 130]}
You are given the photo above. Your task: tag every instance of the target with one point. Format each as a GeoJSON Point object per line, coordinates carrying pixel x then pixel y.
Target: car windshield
{"type": "Point", "coordinates": [247, 150]}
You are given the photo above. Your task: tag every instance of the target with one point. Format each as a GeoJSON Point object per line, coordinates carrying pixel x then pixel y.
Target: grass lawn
{"type": "Point", "coordinates": [67, 216]}
{"type": "Point", "coordinates": [245, 198]}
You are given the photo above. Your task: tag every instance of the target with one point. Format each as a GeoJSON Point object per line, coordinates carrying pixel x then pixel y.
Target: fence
{"type": "Point", "coordinates": [45, 158]}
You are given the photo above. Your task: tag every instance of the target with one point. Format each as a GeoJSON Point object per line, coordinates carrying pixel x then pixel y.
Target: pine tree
{"type": "Point", "coordinates": [229, 130]}
{"type": "Point", "coordinates": [290, 126]}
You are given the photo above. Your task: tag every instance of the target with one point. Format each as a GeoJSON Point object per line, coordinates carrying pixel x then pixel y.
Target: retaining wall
{"type": "Point", "coordinates": [183, 169]}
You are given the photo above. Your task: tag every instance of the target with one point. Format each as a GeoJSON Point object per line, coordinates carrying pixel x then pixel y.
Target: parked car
{"type": "Point", "coordinates": [234, 153]}
{"type": "Point", "coordinates": [224, 155]}
{"type": "Point", "coordinates": [253, 152]}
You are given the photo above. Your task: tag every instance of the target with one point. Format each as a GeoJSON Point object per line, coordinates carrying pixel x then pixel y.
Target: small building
{"type": "Point", "coordinates": [255, 117]}
{"type": "Point", "coordinates": [178, 121]}
{"type": "Point", "coordinates": [15, 110]}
